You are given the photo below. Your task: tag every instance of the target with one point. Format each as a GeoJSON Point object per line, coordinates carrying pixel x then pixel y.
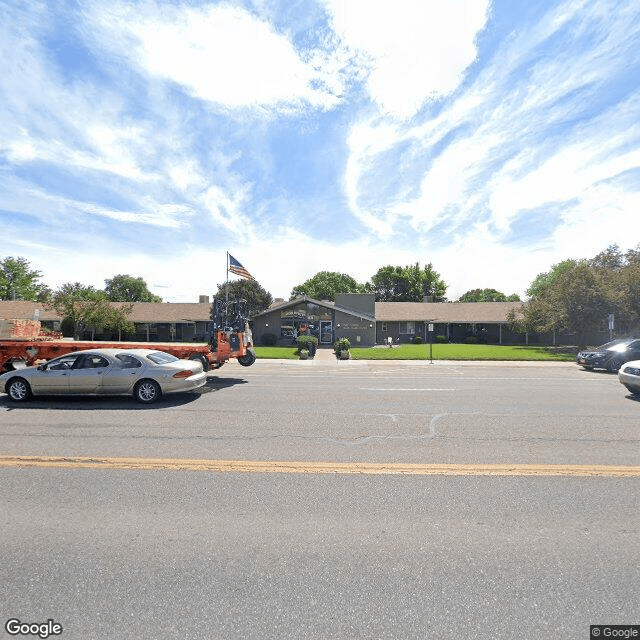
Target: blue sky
{"type": "Point", "coordinates": [492, 139]}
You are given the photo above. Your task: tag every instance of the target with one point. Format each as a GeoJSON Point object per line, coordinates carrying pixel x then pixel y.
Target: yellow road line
{"type": "Point", "coordinates": [365, 468]}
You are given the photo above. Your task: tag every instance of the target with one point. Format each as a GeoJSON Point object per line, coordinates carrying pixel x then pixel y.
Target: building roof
{"type": "Point", "coordinates": [142, 311]}
{"type": "Point", "coordinates": [445, 312]}
{"type": "Point", "coordinates": [176, 312]}
{"type": "Point", "coordinates": [322, 303]}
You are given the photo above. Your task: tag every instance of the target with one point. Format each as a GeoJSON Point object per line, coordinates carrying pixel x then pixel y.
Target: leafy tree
{"type": "Point", "coordinates": [126, 288]}
{"type": "Point", "coordinates": [611, 259]}
{"type": "Point", "coordinates": [433, 285]}
{"type": "Point", "coordinates": [545, 280]}
{"type": "Point", "coordinates": [18, 281]}
{"type": "Point", "coordinates": [407, 284]}
{"type": "Point", "coordinates": [488, 295]}
{"type": "Point", "coordinates": [577, 300]}
{"type": "Point", "coordinates": [258, 299]}
{"type": "Point", "coordinates": [83, 307]}
{"type": "Point", "coordinates": [325, 285]}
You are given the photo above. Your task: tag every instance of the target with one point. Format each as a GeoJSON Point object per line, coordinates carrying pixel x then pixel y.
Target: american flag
{"type": "Point", "coordinates": [238, 269]}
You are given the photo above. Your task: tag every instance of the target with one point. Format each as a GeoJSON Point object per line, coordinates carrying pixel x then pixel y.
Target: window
{"type": "Point", "coordinates": [160, 357]}
{"type": "Point", "coordinates": [91, 362]}
{"type": "Point", "coordinates": [66, 362]}
{"type": "Point", "coordinates": [408, 328]}
{"type": "Point", "coordinates": [128, 362]}
{"type": "Point", "coordinates": [384, 327]}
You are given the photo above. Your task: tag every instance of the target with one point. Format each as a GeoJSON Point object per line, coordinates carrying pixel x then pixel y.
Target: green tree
{"type": "Point", "coordinates": [126, 288]}
{"type": "Point", "coordinates": [577, 301]}
{"type": "Point", "coordinates": [18, 281]}
{"type": "Point", "coordinates": [325, 285]}
{"type": "Point", "coordinates": [433, 285]}
{"type": "Point", "coordinates": [488, 295]}
{"type": "Point", "coordinates": [407, 284]}
{"type": "Point", "coordinates": [84, 307]}
{"type": "Point", "coordinates": [258, 299]}
{"type": "Point", "coordinates": [545, 280]}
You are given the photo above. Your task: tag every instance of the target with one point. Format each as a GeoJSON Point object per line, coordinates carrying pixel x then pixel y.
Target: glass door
{"type": "Point", "coordinates": [326, 331]}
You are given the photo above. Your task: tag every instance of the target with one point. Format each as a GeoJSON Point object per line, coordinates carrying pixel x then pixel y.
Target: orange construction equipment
{"type": "Point", "coordinates": [232, 341]}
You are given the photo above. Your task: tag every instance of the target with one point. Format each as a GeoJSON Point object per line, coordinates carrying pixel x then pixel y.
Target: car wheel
{"type": "Point", "coordinates": [202, 360]}
{"type": "Point", "coordinates": [247, 360]}
{"type": "Point", "coordinates": [18, 389]}
{"type": "Point", "coordinates": [147, 391]}
{"type": "Point", "coordinates": [614, 365]}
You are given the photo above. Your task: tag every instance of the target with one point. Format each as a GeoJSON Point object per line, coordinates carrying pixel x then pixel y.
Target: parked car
{"type": "Point", "coordinates": [610, 356]}
{"type": "Point", "coordinates": [145, 374]}
{"type": "Point", "coordinates": [629, 376]}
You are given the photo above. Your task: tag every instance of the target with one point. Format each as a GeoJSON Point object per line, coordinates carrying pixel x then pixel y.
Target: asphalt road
{"type": "Point", "coordinates": [120, 554]}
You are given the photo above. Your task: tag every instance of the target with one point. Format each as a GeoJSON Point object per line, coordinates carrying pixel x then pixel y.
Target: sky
{"type": "Point", "coordinates": [491, 139]}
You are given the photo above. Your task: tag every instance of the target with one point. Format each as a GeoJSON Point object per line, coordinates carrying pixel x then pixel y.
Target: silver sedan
{"type": "Point", "coordinates": [629, 376]}
{"type": "Point", "coordinates": [143, 373]}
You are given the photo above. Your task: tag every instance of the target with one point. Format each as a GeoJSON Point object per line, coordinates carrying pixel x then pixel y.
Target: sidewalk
{"type": "Point", "coordinates": [327, 358]}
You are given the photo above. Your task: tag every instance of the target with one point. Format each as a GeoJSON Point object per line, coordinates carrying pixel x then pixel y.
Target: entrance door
{"type": "Point", "coordinates": [326, 331]}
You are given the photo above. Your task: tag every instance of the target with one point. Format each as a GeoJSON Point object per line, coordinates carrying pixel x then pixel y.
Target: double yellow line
{"type": "Point", "coordinates": [364, 468]}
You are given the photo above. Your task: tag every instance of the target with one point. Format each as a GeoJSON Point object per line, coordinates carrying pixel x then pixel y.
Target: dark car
{"type": "Point", "coordinates": [610, 356]}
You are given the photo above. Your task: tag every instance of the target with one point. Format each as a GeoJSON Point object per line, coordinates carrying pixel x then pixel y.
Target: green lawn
{"type": "Point", "coordinates": [463, 352]}
{"type": "Point", "coordinates": [281, 353]}
{"type": "Point", "coordinates": [440, 352]}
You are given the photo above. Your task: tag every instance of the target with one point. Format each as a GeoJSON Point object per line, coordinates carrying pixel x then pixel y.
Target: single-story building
{"type": "Point", "coordinates": [351, 316]}
{"type": "Point", "coordinates": [153, 321]}
{"type": "Point", "coordinates": [366, 322]}
{"type": "Point", "coordinates": [354, 316]}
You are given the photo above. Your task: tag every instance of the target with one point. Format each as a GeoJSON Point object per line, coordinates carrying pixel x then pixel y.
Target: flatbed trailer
{"type": "Point", "coordinates": [17, 353]}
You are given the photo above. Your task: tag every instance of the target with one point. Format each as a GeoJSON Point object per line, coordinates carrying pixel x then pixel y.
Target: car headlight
{"type": "Point", "coordinates": [633, 371]}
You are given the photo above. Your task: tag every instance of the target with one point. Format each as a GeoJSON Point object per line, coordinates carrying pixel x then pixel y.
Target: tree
{"type": "Point", "coordinates": [126, 288]}
{"type": "Point", "coordinates": [407, 284]}
{"type": "Point", "coordinates": [433, 285]}
{"type": "Point", "coordinates": [578, 301]}
{"type": "Point", "coordinates": [325, 285]}
{"type": "Point", "coordinates": [545, 280]}
{"type": "Point", "coordinates": [258, 299]}
{"type": "Point", "coordinates": [83, 307]}
{"type": "Point", "coordinates": [488, 295]}
{"type": "Point", "coordinates": [19, 282]}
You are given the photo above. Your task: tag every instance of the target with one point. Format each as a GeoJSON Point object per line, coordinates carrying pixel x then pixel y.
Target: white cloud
{"type": "Point", "coordinates": [417, 49]}
{"type": "Point", "coordinates": [219, 53]}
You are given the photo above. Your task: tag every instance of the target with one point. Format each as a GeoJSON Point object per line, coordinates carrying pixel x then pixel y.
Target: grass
{"type": "Point", "coordinates": [440, 352]}
{"type": "Point", "coordinates": [464, 352]}
{"type": "Point", "coordinates": [281, 353]}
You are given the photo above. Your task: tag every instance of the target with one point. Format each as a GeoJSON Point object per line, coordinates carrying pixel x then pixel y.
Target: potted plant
{"type": "Point", "coordinates": [308, 344]}
{"type": "Point", "coordinates": [341, 348]}
{"type": "Point", "coordinates": [304, 354]}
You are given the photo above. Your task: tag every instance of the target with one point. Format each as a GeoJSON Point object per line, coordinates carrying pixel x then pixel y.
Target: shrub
{"type": "Point", "coordinates": [305, 341]}
{"type": "Point", "coordinates": [417, 340]}
{"type": "Point", "coordinates": [269, 339]}
{"type": "Point", "coordinates": [471, 340]}
{"type": "Point", "coordinates": [342, 344]}
{"type": "Point", "coordinates": [442, 339]}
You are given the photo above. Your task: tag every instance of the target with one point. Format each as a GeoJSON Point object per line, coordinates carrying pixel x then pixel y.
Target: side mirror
{"type": "Point", "coordinates": [42, 367]}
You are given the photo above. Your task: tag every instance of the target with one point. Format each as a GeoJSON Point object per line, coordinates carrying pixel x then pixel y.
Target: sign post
{"type": "Point", "coordinates": [430, 343]}
{"type": "Point", "coordinates": [611, 324]}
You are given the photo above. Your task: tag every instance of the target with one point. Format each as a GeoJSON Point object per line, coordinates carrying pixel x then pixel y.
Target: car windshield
{"type": "Point", "coordinates": [161, 358]}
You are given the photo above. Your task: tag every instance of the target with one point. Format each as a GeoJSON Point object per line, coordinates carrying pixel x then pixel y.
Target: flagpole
{"type": "Point", "coordinates": [227, 281]}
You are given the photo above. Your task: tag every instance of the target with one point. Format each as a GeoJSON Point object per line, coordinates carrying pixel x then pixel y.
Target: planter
{"type": "Point", "coordinates": [304, 354]}
{"type": "Point", "coordinates": [343, 355]}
